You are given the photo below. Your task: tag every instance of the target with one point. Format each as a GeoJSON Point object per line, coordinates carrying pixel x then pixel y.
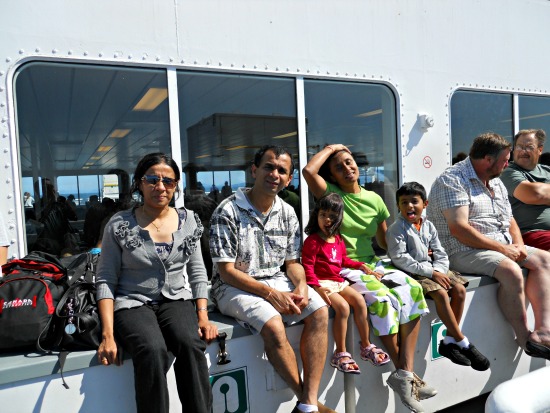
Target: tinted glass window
{"type": "Point", "coordinates": [224, 119]}
{"type": "Point", "coordinates": [534, 113]}
{"type": "Point", "coordinates": [362, 117]}
{"type": "Point", "coordinates": [473, 113]}
{"type": "Point", "coordinates": [82, 129]}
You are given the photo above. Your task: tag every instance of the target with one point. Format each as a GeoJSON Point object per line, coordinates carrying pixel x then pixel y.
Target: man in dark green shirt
{"type": "Point", "coordinates": [528, 185]}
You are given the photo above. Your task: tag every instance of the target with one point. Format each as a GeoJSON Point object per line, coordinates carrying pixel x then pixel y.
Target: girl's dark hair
{"type": "Point", "coordinates": [331, 202]}
{"type": "Point", "coordinates": [147, 162]}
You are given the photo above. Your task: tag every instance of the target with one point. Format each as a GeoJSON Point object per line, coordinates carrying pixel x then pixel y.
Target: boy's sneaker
{"type": "Point", "coordinates": [424, 391]}
{"type": "Point", "coordinates": [454, 353]}
{"type": "Point", "coordinates": [477, 360]}
{"type": "Point", "coordinates": [407, 389]}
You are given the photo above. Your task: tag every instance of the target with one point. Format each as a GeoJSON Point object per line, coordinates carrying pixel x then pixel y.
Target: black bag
{"type": "Point", "coordinates": [30, 290]}
{"type": "Point", "coordinates": [76, 324]}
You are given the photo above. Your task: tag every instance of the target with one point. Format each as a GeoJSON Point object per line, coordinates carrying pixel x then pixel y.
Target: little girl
{"type": "Point", "coordinates": [323, 257]}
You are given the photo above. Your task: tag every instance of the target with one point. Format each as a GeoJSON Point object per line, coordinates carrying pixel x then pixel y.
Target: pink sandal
{"type": "Point", "coordinates": [372, 353]}
{"type": "Point", "coordinates": [345, 366]}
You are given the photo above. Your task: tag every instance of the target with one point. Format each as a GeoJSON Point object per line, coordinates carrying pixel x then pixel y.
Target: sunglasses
{"type": "Point", "coordinates": [154, 180]}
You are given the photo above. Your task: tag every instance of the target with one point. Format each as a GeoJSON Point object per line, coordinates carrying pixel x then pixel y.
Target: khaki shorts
{"type": "Point", "coordinates": [483, 262]}
{"type": "Point", "coordinates": [429, 285]}
{"type": "Point", "coordinates": [252, 311]}
{"type": "Point", "coordinates": [334, 286]}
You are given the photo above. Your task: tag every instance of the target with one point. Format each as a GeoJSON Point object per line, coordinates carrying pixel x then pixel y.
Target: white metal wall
{"type": "Point", "coordinates": [424, 50]}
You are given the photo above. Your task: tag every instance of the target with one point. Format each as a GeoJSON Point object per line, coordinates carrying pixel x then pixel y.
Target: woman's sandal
{"type": "Point", "coordinates": [372, 353]}
{"type": "Point", "coordinates": [343, 362]}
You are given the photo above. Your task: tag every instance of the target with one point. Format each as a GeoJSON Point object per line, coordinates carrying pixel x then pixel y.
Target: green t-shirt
{"type": "Point", "coordinates": [529, 217]}
{"type": "Point", "coordinates": [363, 212]}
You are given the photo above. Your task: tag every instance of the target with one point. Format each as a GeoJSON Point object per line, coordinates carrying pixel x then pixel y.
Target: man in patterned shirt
{"type": "Point", "coordinates": [470, 208]}
{"type": "Point", "coordinates": [253, 233]}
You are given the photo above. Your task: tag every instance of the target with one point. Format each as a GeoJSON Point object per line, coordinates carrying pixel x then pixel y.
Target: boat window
{"type": "Point", "coordinates": [362, 117]}
{"type": "Point", "coordinates": [534, 113]}
{"type": "Point", "coordinates": [474, 113]}
{"type": "Point", "coordinates": [224, 120]}
{"type": "Point", "coordinates": [81, 130]}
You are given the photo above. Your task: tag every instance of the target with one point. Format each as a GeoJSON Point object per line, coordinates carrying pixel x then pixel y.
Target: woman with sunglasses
{"type": "Point", "coordinates": [152, 294]}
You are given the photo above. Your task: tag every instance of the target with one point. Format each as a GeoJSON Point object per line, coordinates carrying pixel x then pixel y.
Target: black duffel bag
{"type": "Point", "coordinates": [75, 324]}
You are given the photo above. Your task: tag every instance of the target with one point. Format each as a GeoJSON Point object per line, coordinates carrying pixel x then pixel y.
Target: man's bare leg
{"type": "Point", "coordinates": [281, 354]}
{"type": "Point", "coordinates": [511, 298]}
{"type": "Point", "coordinates": [537, 290]}
{"type": "Point", "coordinates": [313, 349]}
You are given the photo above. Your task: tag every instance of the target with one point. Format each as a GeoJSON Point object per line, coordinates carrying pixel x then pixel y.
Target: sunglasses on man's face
{"type": "Point", "coordinates": [154, 180]}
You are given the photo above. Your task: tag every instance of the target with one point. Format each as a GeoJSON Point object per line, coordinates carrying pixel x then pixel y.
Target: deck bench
{"type": "Point", "coordinates": [21, 366]}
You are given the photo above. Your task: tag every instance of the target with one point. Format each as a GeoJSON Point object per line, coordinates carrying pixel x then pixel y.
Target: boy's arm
{"type": "Point", "coordinates": [440, 258]}
{"type": "Point", "coordinates": [400, 256]}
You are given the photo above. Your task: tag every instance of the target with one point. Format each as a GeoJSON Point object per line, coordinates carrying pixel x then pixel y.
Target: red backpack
{"type": "Point", "coordinates": [30, 289]}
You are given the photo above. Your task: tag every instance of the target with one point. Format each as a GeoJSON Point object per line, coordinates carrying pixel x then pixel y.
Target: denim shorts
{"type": "Point", "coordinates": [252, 311]}
{"type": "Point", "coordinates": [483, 262]}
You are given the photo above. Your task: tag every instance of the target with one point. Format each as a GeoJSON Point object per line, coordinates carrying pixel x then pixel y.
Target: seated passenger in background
{"type": "Point", "coordinates": [71, 204]}
{"type": "Point", "coordinates": [544, 158]}
{"type": "Point", "coordinates": [459, 157]}
{"type": "Point", "coordinates": [226, 190]}
{"type": "Point", "coordinates": [291, 199]}
{"type": "Point", "coordinates": [323, 257]}
{"type": "Point", "coordinates": [528, 185]}
{"type": "Point", "coordinates": [204, 207]}
{"type": "Point", "coordinates": [92, 200]}
{"type": "Point", "coordinates": [66, 207]}
{"type": "Point", "coordinates": [414, 247]}
{"type": "Point", "coordinates": [469, 207]}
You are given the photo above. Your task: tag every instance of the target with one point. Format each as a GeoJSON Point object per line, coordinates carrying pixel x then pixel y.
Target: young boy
{"type": "Point", "coordinates": [414, 247]}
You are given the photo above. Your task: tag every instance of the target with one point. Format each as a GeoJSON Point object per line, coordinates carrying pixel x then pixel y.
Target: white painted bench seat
{"type": "Point", "coordinates": [20, 366]}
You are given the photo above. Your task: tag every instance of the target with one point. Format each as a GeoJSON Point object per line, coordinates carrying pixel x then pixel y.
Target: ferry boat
{"type": "Point", "coordinates": [88, 88]}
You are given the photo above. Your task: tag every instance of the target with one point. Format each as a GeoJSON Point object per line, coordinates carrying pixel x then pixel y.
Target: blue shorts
{"type": "Point", "coordinates": [253, 311]}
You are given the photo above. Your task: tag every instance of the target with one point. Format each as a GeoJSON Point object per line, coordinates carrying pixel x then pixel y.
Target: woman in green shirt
{"type": "Point", "coordinates": [394, 299]}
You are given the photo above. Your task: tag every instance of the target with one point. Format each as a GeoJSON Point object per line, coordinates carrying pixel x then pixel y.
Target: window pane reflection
{"type": "Point", "coordinates": [534, 113]}
{"type": "Point", "coordinates": [473, 113]}
{"type": "Point", "coordinates": [362, 117]}
{"type": "Point", "coordinates": [81, 131]}
{"type": "Point", "coordinates": [225, 119]}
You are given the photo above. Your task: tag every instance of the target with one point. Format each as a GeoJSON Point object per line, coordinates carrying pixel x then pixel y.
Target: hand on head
{"type": "Point", "coordinates": [337, 147]}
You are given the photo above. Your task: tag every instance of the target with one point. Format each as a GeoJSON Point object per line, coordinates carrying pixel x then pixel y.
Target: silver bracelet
{"type": "Point", "coordinates": [202, 309]}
